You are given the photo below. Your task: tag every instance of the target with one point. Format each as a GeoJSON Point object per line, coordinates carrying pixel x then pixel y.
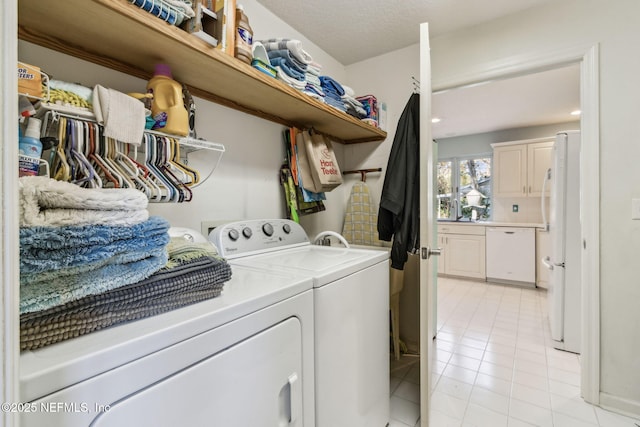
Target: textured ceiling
{"type": "Point", "coordinates": [354, 30]}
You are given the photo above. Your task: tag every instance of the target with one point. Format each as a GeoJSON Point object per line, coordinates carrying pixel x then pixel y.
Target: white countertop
{"type": "Point", "coordinates": [492, 224]}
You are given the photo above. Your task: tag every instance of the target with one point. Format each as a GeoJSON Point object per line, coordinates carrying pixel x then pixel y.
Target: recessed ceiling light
{"type": "Point", "coordinates": [435, 120]}
{"type": "Point", "coordinates": [576, 113]}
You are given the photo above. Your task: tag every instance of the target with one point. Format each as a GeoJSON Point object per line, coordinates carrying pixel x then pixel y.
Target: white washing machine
{"type": "Point", "coordinates": [351, 314]}
{"type": "Point", "coordinates": [242, 359]}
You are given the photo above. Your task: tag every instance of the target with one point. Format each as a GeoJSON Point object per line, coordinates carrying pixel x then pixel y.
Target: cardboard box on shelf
{"type": "Point", "coordinates": [29, 80]}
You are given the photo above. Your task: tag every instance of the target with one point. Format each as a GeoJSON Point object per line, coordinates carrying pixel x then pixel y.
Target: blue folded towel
{"type": "Point", "coordinates": [291, 60]}
{"type": "Point", "coordinates": [62, 264]}
{"type": "Point", "coordinates": [58, 291]}
{"type": "Point", "coordinates": [52, 248]}
{"type": "Point", "coordinates": [328, 84]}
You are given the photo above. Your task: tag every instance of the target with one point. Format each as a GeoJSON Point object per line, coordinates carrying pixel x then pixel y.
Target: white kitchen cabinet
{"type": "Point", "coordinates": [519, 168]}
{"type": "Point", "coordinates": [463, 251]}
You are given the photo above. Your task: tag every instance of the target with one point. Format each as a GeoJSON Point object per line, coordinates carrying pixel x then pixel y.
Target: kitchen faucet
{"type": "Point", "coordinates": [456, 203]}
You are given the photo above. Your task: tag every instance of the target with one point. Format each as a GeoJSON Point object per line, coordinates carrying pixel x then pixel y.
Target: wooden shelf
{"type": "Point", "coordinates": [123, 37]}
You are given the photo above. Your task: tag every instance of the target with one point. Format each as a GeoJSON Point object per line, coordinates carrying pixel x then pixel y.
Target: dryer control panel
{"type": "Point", "coordinates": [244, 238]}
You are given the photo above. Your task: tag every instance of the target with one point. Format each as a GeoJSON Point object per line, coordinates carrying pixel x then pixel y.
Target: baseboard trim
{"type": "Point", "coordinates": [630, 408]}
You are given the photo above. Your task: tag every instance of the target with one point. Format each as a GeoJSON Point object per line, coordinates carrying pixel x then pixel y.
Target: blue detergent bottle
{"type": "Point", "coordinates": [30, 149]}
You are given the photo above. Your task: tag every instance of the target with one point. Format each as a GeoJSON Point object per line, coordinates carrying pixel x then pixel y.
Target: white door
{"type": "Point", "coordinates": [427, 226]}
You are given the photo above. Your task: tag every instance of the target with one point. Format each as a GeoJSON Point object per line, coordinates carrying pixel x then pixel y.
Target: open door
{"type": "Point", "coordinates": [427, 227]}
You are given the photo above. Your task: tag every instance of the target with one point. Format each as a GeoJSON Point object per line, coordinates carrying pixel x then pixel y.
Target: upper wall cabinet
{"type": "Point", "coordinates": [123, 37]}
{"type": "Point", "coordinates": [519, 168]}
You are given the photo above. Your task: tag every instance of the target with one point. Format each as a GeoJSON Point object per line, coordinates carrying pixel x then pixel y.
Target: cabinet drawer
{"type": "Point", "coordinates": [474, 230]}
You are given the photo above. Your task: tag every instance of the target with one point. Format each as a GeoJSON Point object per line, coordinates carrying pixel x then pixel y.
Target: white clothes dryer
{"type": "Point", "coordinates": [351, 314]}
{"type": "Point", "coordinates": [244, 358]}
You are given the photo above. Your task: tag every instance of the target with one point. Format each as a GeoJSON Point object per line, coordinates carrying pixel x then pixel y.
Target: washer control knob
{"type": "Point", "coordinates": [246, 232]}
{"type": "Point", "coordinates": [286, 228]}
{"type": "Point", "coordinates": [268, 229]}
{"type": "Point", "coordinates": [233, 234]}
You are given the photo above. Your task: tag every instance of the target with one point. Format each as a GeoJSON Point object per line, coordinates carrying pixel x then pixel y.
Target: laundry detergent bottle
{"type": "Point", "coordinates": [167, 108]}
{"type": "Point", "coordinates": [244, 36]}
{"type": "Point", "coordinates": [30, 149]}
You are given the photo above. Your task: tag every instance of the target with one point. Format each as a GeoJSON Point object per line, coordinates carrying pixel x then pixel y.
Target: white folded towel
{"type": "Point", "coordinates": [348, 91]}
{"type": "Point", "coordinates": [122, 116]}
{"type": "Point", "coordinates": [50, 203]}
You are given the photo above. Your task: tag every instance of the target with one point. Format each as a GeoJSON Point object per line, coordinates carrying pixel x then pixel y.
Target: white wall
{"type": "Point", "coordinates": [615, 26]}
{"type": "Point", "coordinates": [246, 183]}
{"type": "Point", "coordinates": [481, 142]}
{"type": "Point", "coordinates": [388, 78]}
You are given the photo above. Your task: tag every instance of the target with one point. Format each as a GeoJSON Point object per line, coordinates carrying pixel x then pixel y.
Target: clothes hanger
{"type": "Point", "coordinates": [94, 134]}
{"type": "Point", "coordinates": [110, 158]}
{"type": "Point", "coordinates": [161, 165]}
{"type": "Point", "coordinates": [167, 154]}
{"type": "Point", "coordinates": [168, 191]}
{"type": "Point", "coordinates": [84, 173]}
{"type": "Point", "coordinates": [176, 159]}
{"type": "Point", "coordinates": [61, 167]}
{"type": "Point", "coordinates": [163, 154]}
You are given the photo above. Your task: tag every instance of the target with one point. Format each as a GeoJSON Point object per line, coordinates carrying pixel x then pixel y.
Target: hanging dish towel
{"type": "Point", "coordinates": [361, 219]}
{"type": "Point", "coordinates": [122, 116]}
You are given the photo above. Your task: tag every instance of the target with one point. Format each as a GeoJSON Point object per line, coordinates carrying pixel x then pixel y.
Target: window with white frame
{"type": "Point", "coordinates": [464, 188]}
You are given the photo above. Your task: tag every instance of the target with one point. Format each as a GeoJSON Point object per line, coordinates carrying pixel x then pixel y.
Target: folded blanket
{"type": "Point", "coordinates": [55, 249]}
{"type": "Point", "coordinates": [291, 60]}
{"type": "Point", "coordinates": [175, 15]}
{"type": "Point", "coordinates": [281, 63]}
{"type": "Point", "coordinates": [47, 202]}
{"type": "Point", "coordinates": [354, 107]}
{"type": "Point", "coordinates": [186, 279]}
{"type": "Point", "coordinates": [331, 86]}
{"type": "Point", "coordinates": [82, 92]}
{"type": "Point", "coordinates": [294, 46]}
{"type": "Point", "coordinates": [295, 83]}
{"type": "Point", "coordinates": [44, 295]}
{"type": "Point", "coordinates": [348, 91]}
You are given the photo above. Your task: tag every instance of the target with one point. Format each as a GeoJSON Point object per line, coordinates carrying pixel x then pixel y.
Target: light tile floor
{"type": "Point", "coordinates": [493, 365]}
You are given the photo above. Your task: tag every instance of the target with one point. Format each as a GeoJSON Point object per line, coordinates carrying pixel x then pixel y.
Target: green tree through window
{"type": "Point", "coordinates": [466, 190]}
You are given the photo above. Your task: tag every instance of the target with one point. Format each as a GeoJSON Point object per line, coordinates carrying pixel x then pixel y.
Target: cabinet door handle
{"type": "Point", "coordinates": [529, 189]}
{"type": "Point", "coordinates": [524, 189]}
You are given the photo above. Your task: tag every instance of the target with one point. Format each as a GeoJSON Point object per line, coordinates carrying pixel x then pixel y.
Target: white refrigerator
{"type": "Point", "coordinates": [563, 261]}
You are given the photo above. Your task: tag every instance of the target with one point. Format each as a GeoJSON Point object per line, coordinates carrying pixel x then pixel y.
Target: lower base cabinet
{"type": "Point", "coordinates": [463, 251]}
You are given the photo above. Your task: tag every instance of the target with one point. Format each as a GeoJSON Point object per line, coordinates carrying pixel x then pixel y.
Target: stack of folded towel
{"type": "Point", "coordinates": [193, 273]}
{"type": "Point", "coordinates": [314, 86]}
{"type": "Point", "coordinates": [289, 59]}
{"type": "Point", "coordinates": [93, 258]}
{"type": "Point", "coordinates": [297, 68]}
{"type": "Point", "coordinates": [352, 105]}
{"type": "Point", "coordinates": [76, 242]}
{"type": "Point", "coordinates": [333, 92]}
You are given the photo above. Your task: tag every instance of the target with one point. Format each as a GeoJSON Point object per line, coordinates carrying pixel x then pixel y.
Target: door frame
{"type": "Point", "coordinates": [9, 296]}
{"type": "Point", "coordinates": [587, 55]}
{"type": "Point", "coordinates": [427, 227]}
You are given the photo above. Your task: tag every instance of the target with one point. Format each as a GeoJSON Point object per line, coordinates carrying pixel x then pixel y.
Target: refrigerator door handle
{"type": "Point", "coordinates": [547, 262]}
{"type": "Point", "coordinates": [543, 202]}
